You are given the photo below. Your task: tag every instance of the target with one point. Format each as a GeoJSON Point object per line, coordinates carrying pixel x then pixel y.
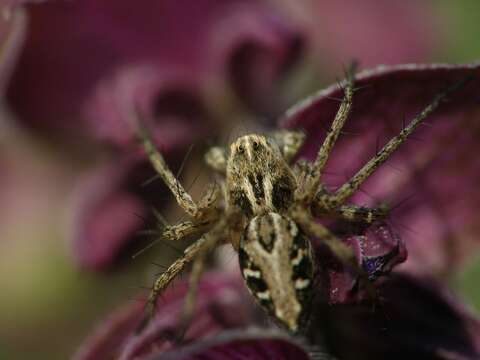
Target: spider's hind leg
{"type": "Point", "coordinates": [341, 251]}
{"type": "Point", "coordinates": [164, 279]}
{"type": "Point", "coordinates": [319, 231]}
{"type": "Point", "coordinates": [191, 296]}
{"type": "Point", "coordinates": [197, 250]}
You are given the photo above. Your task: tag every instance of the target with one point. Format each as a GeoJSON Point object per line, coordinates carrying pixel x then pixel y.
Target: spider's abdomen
{"type": "Point", "coordinates": [276, 260]}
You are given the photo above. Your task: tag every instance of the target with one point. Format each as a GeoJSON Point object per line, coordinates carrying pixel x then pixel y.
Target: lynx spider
{"type": "Point", "coordinates": [268, 212]}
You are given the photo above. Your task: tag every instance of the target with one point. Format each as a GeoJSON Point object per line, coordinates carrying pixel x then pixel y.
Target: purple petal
{"type": "Point", "coordinates": [106, 214]}
{"type": "Point", "coordinates": [335, 280]}
{"type": "Point", "coordinates": [382, 249]}
{"type": "Point", "coordinates": [252, 344]}
{"type": "Point", "coordinates": [221, 304]}
{"type": "Point", "coordinates": [255, 47]}
{"type": "Point", "coordinates": [430, 181]}
{"type": "Point", "coordinates": [107, 339]}
{"type": "Point", "coordinates": [169, 104]}
{"type": "Point", "coordinates": [378, 250]}
{"type": "Point", "coordinates": [413, 319]}
{"type": "Point", "coordinates": [162, 48]}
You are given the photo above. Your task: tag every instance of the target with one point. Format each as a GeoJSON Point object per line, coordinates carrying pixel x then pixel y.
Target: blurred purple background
{"type": "Point", "coordinates": [72, 75]}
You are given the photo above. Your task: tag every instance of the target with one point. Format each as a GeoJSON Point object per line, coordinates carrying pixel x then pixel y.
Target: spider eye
{"type": "Point", "coordinates": [255, 145]}
{"type": "Point", "coordinates": [241, 149]}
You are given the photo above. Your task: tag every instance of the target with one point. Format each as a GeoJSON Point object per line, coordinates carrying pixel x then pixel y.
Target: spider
{"type": "Point", "coordinates": [266, 207]}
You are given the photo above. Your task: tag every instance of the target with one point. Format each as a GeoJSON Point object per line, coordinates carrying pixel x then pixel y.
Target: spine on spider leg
{"type": "Point", "coordinates": [361, 214]}
{"type": "Point", "coordinates": [350, 187]}
{"type": "Point", "coordinates": [166, 278]}
{"type": "Point", "coordinates": [332, 134]}
{"type": "Point", "coordinates": [203, 244]}
{"type": "Point", "coordinates": [165, 173]}
{"type": "Point", "coordinates": [191, 297]}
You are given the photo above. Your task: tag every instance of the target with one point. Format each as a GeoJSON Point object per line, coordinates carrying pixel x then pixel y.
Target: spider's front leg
{"type": "Point", "coordinates": [352, 185]}
{"type": "Point", "coordinates": [168, 275]}
{"type": "Point", "coordinates": [205, 217]}
{"type": "Point", "coordinates": [181, 195]}
{"type": "Point", "coordinates": [312, 183]}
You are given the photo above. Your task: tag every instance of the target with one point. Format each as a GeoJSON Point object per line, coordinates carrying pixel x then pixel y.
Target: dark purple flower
{"type": "Point", "coordinates": [221, 305]}
{"type": "Point", "coordinates": [415, 318]}
{"type": "Point", "coordinates": [378, 250]}
{"type": "Point", "coordinates": [250, 344]}
{"type": "Point", "coordinates": [108, 210]}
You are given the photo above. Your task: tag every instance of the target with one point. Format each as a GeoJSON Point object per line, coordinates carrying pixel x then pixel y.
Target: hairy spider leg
{"type": "Point", "coordinates": [204, 244]}
{"type": "Point", "coordinates": [198, 268]}
{"type": "Point", "coordinates": [175, 232]}
{"type": "Point", "coordinates": [332, 203]}
{"type": "Point", "coordinates": [204, 215]}
{"type": "Point", "coordinates": [352, 185]}
{"type": "Point", "coordinates": [348, 212]}
{"type": "Point", "coordinates": [183, 229]}
{"type": "Point", "coordinates": [312, 228]}
{"type": "Point", "coordinates": [313, 182]}
{"type": "Point", "coordinates": [361, 214]}
{"type": "Point", "coordinates": [351, 212]}
{"type": "Point", "coordinates": [181, 195]}
{"type": "Point", "coordinates": [344, 253]}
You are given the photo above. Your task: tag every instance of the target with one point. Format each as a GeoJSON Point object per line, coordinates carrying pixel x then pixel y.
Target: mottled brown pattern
{"type": "Point", "coordinates": [268, 244]}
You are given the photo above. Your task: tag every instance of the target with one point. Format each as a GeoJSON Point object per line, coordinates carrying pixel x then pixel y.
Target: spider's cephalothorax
{"type": "Point", "coordinates": [269, 212]}
{"type": "Point", "coordinates": [258, 178]}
